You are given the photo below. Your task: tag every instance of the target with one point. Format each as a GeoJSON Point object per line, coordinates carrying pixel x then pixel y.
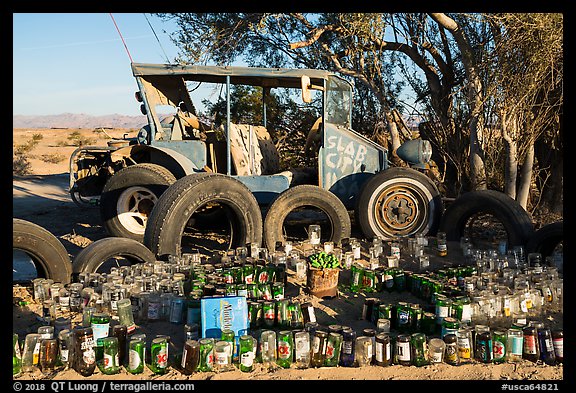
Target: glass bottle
{"type": "Point", "coordinates": [247, 353]}
{"type": "Point", "coordinates": [159, 355]}
{"type": "Point", "coordinates": [514, 345]}
{"type": "Point", "coordinates": [120, 332]}
{"type": "Point", "coordinates": [333, 349]}
{"type": "Point", "coordinates": [126, 315]}
{"type": "Point", "coordinates": [558, 343]}
{"type": "Point", "coordinates": [383, 350]}
{"type": "Point", "coordinates": [465, 344]}
{"type": "Point", "coordinates": [48, 355]}
{"type": "Point", "coordinates": [84, 360]}
{"type": "Point", "coordinates": [499, 346]}
{"type": "Point", "coordinates": [110, 363]}
{"type": "Point", "coordinates": [402, 350]}
{"type": "Point", "coordinates": [222, 356]}
{"type": "Point", "coordinates": [419, 349]}
{"type": "Point", "coordinates": [136, 355]}
{"type": "Point", "coordinates": [348, 345]}
{"type": "Point", "coordinates": [302, 349]}
{"type": "Point", "coordinates": [530, 348]}
{"type": "Point", "coordinates": [285, 348]}
{"type": "Point", "coordinates": [546, 346]}
{"type": "Point", "coordinates": [190, 356]}
{"type": "Point", "coordinates": [451, 353]}
{"type": "Point", "coordinates": [319, 344]}
{"type": "Point", "coordinates": [16, 355]}
{"type": "Point", "coordinates": [441, 245]}
{"type": "Point", "coordinates": [64, 347]}
{"type": "Point", "coordinates": [363, 351]}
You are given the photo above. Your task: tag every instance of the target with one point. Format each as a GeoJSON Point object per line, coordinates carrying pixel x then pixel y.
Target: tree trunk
{"type": "Point", "coordinates": [477, 170]}
{"type": "Point", "coordinates": [395, 139]}
{"type": "Point", "coordinates": [526, 177]}
{"type": "Point", "coordinates": [511, 166]}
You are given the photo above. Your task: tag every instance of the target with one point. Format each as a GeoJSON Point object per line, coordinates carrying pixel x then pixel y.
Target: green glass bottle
{"type": "Point", "coordinates": [110, 363]}
{"type": "Point", "coordinates": [16, 355]}
{"type": "Point", "coordinates": [333, 349]}
{"type": "Point", "coordinates": [419, 349]}
{"type": "Point", "coordinates": [159, 355]}
{"type": "Point", "coordinates": [356, 277]}
{"type": "Point", "coordinates": [247, 354]}
{"type": "Point", "coordinates": [136, 355]}
{"type": "Point", "coordinates": [285, 348]}
{"type": "Point", "coordinates": [229, 336]}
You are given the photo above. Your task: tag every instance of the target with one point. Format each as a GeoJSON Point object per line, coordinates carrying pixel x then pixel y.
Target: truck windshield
{"type": "Point", "coordinates": [338, 102]}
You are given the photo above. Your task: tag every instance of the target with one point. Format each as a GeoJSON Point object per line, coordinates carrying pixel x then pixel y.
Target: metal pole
{"type": "Point", "coordinates": [228, 157]}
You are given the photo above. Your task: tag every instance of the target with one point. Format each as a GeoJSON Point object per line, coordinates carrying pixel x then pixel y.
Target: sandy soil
{"type": "Point", "coordinates": [81, 227]}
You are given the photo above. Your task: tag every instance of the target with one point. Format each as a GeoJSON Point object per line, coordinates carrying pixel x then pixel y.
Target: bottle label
{"type": "Point", "coordinates": [442, 312]}
{"type": "Point", "coordinates": [517, 345]}
{"type": "Point", "coordinates": [311, 314]}
{"type": "Point", "coordinates": [388, 280]}
{"type": "Point", "coordinates": [403, 318]}
{"type": "Point", "coordinates": [499, 350]}
{"type": "Point", "coordinates": [507, 307]}
{"type": "Point", "coordinates": [379, 352]}
{"type": "Point", "coordinates": [548, 294]}
{"type": "Point", "coordinates": [395, 251]}
{"type": "Point", "coordinates": [466, 313]}
{"type": "Point", "coordinates": [247, 359]}
{"type": "Point", "coordinates": [100, 330]}
{"type": "Point", "coordinates": [347, 347]}
{"type": "Point", "coordinates": [451, 353]}
{"type": "Point", "coordinates": [110, 361]}
{"type": "Point", "coordinates": [284, 350]}
{"type": "Point", "coordinates": [530, 345]}
{"type": "Point", "coordinates": [558, 347]}
{"type": "Point", "coordinates": [464, 348]}
{"type": "Point", "coordinates": [222, 358]}
{"type": "Point", "coordinates": [403, 351]}
{"type": "Point", "coordinates": [388, 351]}
{"type": "Point", "coordinates": [316, 345]}
{"type": "Point", "coordinates": [154, 310]}
{"type": "Point", "coordinates": [524, 305]}
{"type": "Point", "coordinates": [162, 357]}
{"type": "Point", "coordinates": [184, 354]}
{"type": "Point", "coordinates": [89, 356]}
{"type": "Point", "coordinates": [302, 346]}
{"type": "Point", "coordinates": [64, 355]}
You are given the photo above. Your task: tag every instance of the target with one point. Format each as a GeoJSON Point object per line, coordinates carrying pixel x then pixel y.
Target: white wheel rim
{"type": "Point", "coordinates": [133, 207]}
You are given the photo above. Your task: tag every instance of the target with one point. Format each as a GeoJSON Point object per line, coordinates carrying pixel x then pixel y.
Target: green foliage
{"type": "Point", "coordinates": [79, 140]}
{"type": "Point", "coordinates": [323, 260]}
{"type": "Point", "coordinates": [20, 165]}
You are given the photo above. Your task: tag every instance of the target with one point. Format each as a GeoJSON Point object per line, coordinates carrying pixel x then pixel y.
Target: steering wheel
{"type": "Point", "coordinates": [313, 136]}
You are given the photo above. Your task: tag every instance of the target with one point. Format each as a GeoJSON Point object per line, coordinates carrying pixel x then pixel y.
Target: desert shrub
{"type": "Point", "coordinates": [52, 158]}
{"type": "Point", "coordinates": [20, 165]}
{"type": "Point", "coordinates": [29, 145]}
{"type": "Point", "coordinates": [79, 140]}
{"type": "Point", "coordinates": [62, 144]}
{"type": "Point", "coordinates": [37, 137]}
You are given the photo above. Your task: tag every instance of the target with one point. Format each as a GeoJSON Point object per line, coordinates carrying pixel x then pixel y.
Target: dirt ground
{"type": "Point", "coordinates": [77, 227]}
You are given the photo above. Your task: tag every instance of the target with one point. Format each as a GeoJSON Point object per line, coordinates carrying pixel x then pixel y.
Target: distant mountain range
{"type": "Point", "coordinates": [75, 120]}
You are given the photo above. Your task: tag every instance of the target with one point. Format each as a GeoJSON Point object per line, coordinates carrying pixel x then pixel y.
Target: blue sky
{"type": "Point", "coordinates": [77, 63]}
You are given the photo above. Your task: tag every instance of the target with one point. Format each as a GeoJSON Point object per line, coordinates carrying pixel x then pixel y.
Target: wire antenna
{"type": "Point", "coordinates": [157, 39]}
{"type": "Point", "coordinates": [122, 38]}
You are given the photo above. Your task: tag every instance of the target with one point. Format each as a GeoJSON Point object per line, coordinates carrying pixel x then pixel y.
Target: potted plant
{"type": "Point", "coordinates": [322, 275]}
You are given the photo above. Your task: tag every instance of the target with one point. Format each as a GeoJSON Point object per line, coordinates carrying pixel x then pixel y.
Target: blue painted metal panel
{"type": "Point", "coordinates": [194, 150]}
{"type": "Point", "coordinates": [265, 187]}
{"type": "Point", "coordinates": [346, 160]}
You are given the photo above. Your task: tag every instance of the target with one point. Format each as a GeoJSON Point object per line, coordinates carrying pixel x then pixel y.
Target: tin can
{"type": "Point", "coordinates": [333, 349]}
{"type": "Point", "coordinates": [499, 346]}
{"type": "Point", "coordinates": [206, 354]}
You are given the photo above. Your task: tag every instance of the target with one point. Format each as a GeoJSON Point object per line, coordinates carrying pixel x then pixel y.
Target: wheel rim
{"type": "Point", "coordinates": [133, 208]}
{"type": "Point", "coordinates": [400, 210]}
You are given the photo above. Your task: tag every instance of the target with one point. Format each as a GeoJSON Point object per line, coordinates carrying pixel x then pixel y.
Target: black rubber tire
{"type": "Point", "coordinates": [172, 212]}
{"type": "Point", "coordinates": [154, 178]}
{"type": "Point", "coordinates": [416, 186]}
{"type": "Point", "coordinates": [95, 254]}
{"type": "Point", "coordinates": [546, 239]}
{"type": "Point", "coordinates": [301, 196]}
{"type": "Point", "coordinates": [46, 251]}
{"type": "Point", "coordinates": [514, 218]}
